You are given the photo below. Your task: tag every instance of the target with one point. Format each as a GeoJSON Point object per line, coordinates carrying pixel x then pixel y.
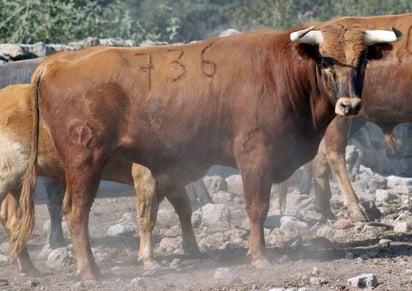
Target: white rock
{"type": "Point", "coordinates": [215, 184]}
{"type": "Point", "coordinates": [400, 226]}
{"type": "Point", "coordinates": [400, 184]}
{"type": "Point", "coordinates": [129, 217]}
{"type": "Point", "coordinates": [384, 242]}
{"type": "Point", "coordinates": [166, 216]}
{"type": "Point", "coordinates": [169, 245]}
{"type": "Point", "coordinates": [325, 231]}
{"type": "Point", "coordinates": [121, 229]}
{"type": "Point", "coordinates": [235, 184]}
{"type": "Point", "coordinates": [176, 264]}
{"type": "Point", "coordinates": [382, 195]}
{"type": "Point", "coordinates": [222, 197]}
{"type": "Point", "coordinates": [44, 253]}
{"type": "Point", "coordinates": [363, 281]}
{"type": "Point", "coordinates": [213, 216]}
{"type": "Point", "coordinates": [291, 223]}
{"type": "Point", "coordinates": [58, 258]}
{"type": "Point", "coordinates": [318, 281]}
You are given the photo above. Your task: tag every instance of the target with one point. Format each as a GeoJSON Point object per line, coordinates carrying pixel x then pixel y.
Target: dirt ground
{"type": "Point", "coordinates": [311, 264]}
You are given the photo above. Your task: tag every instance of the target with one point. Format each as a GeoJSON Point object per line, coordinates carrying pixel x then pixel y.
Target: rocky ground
{"type": "Point", "coordinates": [305, 253]}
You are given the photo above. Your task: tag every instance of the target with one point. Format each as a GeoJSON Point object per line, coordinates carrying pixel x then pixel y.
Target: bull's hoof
{"type": "Point", "coordinates": [261, 264]}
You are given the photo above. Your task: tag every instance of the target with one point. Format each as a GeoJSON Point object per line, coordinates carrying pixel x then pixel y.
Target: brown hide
{"type": "Point", "coordinates": [17, 114]}
{"type": "Point", "coordinates": [255, 101]}
{"type": "Point", "coordinates": [16, 128]}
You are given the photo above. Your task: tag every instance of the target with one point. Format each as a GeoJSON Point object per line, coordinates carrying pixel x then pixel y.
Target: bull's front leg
{"type": "Point", "coordinates": [81, 187]}
{"type": "Point", "coordinates": [253, 161]}
{"type": "Point", "coordinates": [321, 174]}
{"type": "Point", "coordinates": [336, 160]}
{"type": "Point", "coordinates": [335, 141]}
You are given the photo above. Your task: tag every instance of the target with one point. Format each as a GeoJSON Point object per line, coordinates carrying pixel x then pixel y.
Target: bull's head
{"type": "Point", "coordinates": [341, 54]}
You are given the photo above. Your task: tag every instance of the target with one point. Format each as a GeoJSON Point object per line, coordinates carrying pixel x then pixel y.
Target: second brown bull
{"type": "Point", "coordinates": [387, 102]}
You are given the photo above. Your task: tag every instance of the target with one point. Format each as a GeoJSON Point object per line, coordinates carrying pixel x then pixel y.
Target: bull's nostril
{"type": "Point", "coordinates": [344, 107]}
{"type": "Point", "coordinates": [358, 107]}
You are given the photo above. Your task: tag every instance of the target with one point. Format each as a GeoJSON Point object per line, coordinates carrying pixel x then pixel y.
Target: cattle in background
{"type": "Point", "coordinates": [262, 108]}
{"type": "Point", "coordinates": [21, 72]}
{"type": "Point", "coordinates": [387, 102]}
{"type": "Point", "coordinates": [16, 111]}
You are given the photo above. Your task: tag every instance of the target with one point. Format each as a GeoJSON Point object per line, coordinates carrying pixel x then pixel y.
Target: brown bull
{"type": "Point", "coordinates": [16, 111]}
{"type": "Point", "coordinates": [387, 102]}
{"type": "Point", "coordinates": [256, 101]}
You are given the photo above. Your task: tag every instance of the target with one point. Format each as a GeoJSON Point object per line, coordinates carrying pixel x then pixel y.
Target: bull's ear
{"type": "Point", "coordinates": [379, 51]}
{"type": "Point", "coordinates": [309, 51]}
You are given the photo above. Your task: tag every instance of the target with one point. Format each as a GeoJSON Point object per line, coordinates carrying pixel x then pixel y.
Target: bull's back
{"type": "Point", "coordinates": [161, 99]}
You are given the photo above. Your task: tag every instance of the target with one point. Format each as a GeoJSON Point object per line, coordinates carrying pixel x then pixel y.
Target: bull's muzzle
{"type": "Point", "coordinates": [346, 106]}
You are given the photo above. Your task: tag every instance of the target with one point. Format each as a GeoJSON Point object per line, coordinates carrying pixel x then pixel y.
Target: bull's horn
{"type": "Point", "coordinates": [381, 36]}
{"type": "Point", "coordinates": [307, 35]}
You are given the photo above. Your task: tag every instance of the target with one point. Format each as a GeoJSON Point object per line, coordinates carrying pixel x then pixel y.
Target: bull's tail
{"type": "Point", "coordinates": [26, 223]}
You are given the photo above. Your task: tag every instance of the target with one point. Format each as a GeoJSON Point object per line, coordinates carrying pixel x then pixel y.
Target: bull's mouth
{"type": "Point", "coordinates": [346, 106]}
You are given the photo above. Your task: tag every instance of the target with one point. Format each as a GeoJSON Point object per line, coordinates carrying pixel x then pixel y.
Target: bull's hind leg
{"type": "Point", "coordinates": [147, 207]}
{"type": "Point", "coordinates": [82, 181]}
{"type": "Point", "coordinates": [10, 215]}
